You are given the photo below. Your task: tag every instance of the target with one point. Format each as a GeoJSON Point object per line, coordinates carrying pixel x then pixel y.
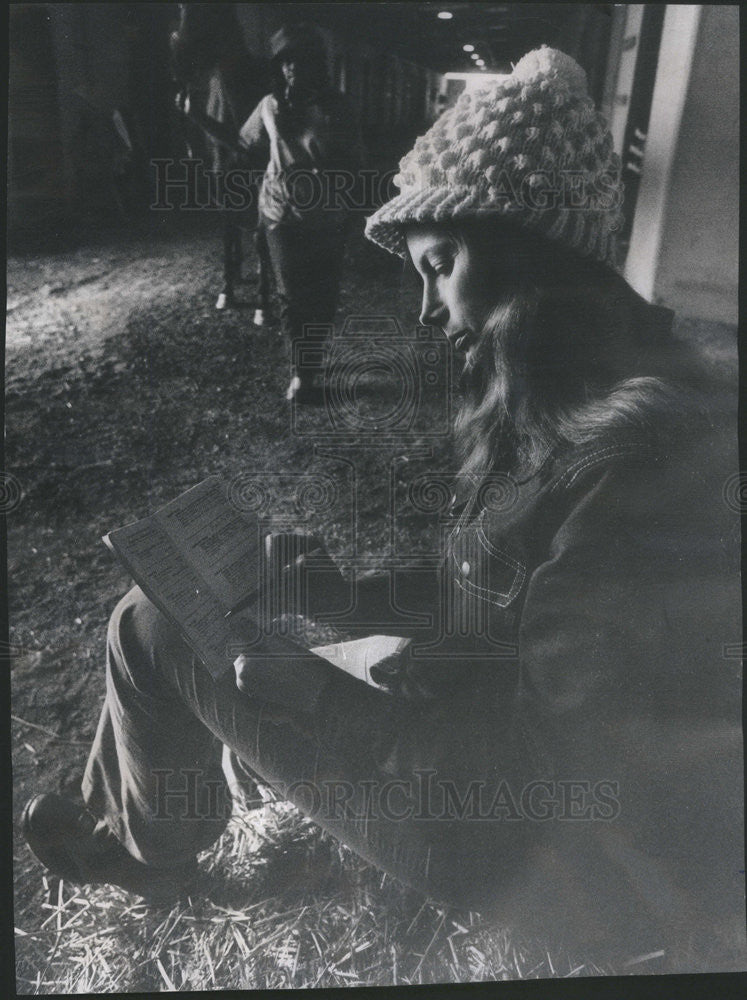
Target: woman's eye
{"type": "Point", "coordinates": [441, 266]}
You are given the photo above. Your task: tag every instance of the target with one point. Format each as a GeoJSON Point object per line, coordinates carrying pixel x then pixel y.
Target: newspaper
{"type": "Point", "coordinates": [200, 556]}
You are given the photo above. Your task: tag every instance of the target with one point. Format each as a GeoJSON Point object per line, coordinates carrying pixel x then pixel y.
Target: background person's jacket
{"type": "Point", "coordinates": [312, 152]}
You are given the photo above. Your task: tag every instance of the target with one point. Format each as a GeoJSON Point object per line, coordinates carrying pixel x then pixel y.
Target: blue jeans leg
{"type": "Point", "coordinates": [358, 765]}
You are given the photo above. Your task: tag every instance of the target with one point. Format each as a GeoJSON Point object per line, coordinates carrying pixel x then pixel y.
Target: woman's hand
{"type": "Point", "coordinates": [416, 680]}
{"type": "Point", "coordinates": [286, 680]}
{"type": "Point", "coordinates": [304, 579]}
{"type": "Point", "coordinates": [247, 668]}
{"type": "Point", "coordinates": [182, 101]}
{"type": "Point", "coordinates": [430, 678]}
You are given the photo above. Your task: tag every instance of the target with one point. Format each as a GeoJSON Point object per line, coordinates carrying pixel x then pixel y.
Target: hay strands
{"type": "Point", "coordinates": [441, 921]}
{"type": "Point", "coordinates": [50, 732]}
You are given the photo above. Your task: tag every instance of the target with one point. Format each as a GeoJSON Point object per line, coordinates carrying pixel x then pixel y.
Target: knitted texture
{"type": "Point", "coordinates": [531, 148]}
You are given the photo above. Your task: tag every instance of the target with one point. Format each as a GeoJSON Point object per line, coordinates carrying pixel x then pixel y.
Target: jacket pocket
{"type": "Point", "coordinates": [488, 569]}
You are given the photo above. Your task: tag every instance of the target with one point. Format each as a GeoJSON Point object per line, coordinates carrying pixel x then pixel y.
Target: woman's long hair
{"type": "Point", "coordinates": [569, 355]}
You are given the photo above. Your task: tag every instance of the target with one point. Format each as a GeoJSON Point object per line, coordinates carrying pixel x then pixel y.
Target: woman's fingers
{"type": "Point", "coordinates": [246, 667]}
{"type": "Point", "coordinates": [241, 669]}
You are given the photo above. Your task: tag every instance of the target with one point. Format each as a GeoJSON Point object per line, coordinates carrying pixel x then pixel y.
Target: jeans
{"type": "Point", "coordinates": [307, 265]}
{"type": "Point", "coordinates": [394, 781]}
{"type": "Point", "coordinates": [358, 765]}
{"type": "Point", "coordinates": [233, 257]}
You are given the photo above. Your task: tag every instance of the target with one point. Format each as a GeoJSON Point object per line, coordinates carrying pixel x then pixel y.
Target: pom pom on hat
{"type": "Point", "coordinates": [546, 63]}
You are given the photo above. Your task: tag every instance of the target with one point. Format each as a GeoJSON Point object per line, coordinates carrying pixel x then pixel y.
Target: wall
{"type": "Point", "coordinates": [36, 182]}
{"type": "Point", "coordinates": [622, 60]}
{"type": "Point", "coordinates": [685, 241]}
{"type": "Point", "coordinates": [698, 270]}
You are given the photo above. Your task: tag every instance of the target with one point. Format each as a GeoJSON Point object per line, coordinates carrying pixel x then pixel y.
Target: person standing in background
{"type": "Point", "coordinates": [218, 83]}
{"type": "Point", "coordinates": [308, 135]}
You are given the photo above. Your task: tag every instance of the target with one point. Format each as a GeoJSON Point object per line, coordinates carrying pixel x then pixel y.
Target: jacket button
{"type": "Point", "coordinates": [465, 568]}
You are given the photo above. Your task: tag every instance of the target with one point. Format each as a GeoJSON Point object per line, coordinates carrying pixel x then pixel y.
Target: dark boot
{"type": "Point", "coordinates": [72, 844]}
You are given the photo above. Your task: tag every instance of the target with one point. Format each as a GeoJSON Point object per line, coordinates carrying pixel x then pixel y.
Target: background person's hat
{"type": "Point", "coordinates": [530, 148]}
{"type": "Point", "coordinates": [297, 38]}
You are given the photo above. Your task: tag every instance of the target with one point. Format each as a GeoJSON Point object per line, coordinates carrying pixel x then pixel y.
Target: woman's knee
{"type": "Point", "coordinates": [138, 636]}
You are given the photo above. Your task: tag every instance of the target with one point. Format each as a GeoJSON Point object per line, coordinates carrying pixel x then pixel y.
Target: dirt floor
{"type": "Point", "coordinates": [124, 387]}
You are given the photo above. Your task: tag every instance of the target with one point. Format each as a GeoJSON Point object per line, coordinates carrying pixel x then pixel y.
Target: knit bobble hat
{"type": "Point", "coordinates": [530, 148]}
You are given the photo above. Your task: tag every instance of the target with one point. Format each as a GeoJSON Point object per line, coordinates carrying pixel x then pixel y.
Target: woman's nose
{"type": "Point", "coordinates": [433, 311]}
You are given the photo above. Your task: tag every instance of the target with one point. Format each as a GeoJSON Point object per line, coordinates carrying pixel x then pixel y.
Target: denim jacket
{"type": "Point", "coordinates": [595, 628]}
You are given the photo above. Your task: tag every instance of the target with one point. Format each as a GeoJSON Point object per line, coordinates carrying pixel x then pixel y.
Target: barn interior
{"type": "Point", "coordinates": [124, 384]}
{"type": "Point", "coordinates": [91, 105]}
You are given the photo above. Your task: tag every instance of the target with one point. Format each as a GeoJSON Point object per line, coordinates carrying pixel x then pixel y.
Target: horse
{"type": "Point", "coordinates": [219, 84]}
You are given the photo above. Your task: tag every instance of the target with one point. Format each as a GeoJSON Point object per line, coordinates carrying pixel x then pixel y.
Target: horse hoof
{"type": "Point", "coordinates": [223, 301]}
{"type": "Point", "coordinates": [259, 317]}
